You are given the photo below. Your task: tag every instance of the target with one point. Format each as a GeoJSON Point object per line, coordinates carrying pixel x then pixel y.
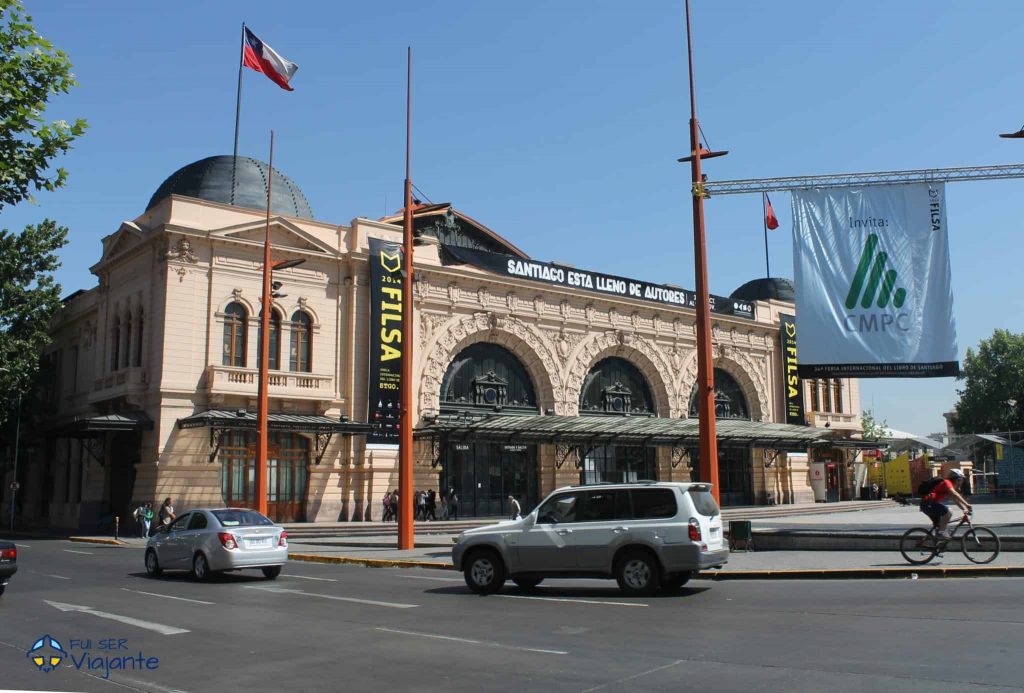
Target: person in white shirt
{"type": "Point", "coordinates": [514, 509]}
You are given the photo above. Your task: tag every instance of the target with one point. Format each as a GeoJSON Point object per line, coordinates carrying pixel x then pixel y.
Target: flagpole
{"type": "Point", "coordinates": [764, 222]}
{"type": "Point", "coordinates": [238, 112]}
{"type": "Point", "coordinates": [406, 533]}
{"type": "Point", "coordinates": [262, 425]}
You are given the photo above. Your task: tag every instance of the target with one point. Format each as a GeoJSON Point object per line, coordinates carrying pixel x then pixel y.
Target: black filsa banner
{"type": "Point", "coordinates": [790, 376]}
{"type": "Point", "coordinates": [386, 341]}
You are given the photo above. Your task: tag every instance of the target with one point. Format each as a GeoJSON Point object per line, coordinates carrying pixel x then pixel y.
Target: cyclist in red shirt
{"type": "Point", "coordinates": [932, 505]}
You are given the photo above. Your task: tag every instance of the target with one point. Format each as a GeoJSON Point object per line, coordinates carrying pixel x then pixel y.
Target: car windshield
{"type": "Point", "coordinates": [240, 518]}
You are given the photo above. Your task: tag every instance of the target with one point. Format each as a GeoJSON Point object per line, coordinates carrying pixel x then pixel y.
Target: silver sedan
{"type": "Point", "coordinates": [208, 542]}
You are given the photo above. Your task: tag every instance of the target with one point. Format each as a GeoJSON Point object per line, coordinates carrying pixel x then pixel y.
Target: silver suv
{"type": "Point", "coordinates": [646, 535]}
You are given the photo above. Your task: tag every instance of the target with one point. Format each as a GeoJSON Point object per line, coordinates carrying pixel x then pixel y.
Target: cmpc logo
{"type": "Point", "coordinates": [46, 654]}
{"type": "Point", "coordinates": [874, 280]}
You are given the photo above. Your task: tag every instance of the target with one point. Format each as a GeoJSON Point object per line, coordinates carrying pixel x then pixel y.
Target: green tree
{"type": "Point", "coordinates": [872, 428]}
{"type": "Point", "coordinates": [32, 72]}
{"type": "Point", "coordinates": [993, 395]}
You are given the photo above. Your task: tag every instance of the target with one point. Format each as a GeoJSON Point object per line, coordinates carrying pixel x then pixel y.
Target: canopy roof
{"type": "Point", "coordinates": [92, 426]}
{"type": "Point", "coordinates": [619, 430]}
{"type": "Point", "coordinates": [246, 420]}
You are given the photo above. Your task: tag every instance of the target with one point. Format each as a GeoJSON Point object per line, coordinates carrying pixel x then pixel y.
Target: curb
{"type": "Point", "coordinates": [910, 573]}
{"type": "Point", "coordinates": [369, 562]}
{"type": "Point", "coordinates": [95, 540]}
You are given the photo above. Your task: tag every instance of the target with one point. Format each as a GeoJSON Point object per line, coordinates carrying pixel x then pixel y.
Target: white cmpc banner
{"type": "Point", "coordinates": [873, 291]}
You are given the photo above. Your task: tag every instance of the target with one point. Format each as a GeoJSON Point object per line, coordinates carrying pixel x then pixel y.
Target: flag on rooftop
{"type": "Point", "coordinates": [770, 220]}
{"type": "Point", "coordinates": [262, 58]}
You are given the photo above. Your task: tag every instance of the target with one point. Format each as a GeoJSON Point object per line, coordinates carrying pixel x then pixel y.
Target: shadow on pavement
{"type": "Point", "coordinates": [553, 592]}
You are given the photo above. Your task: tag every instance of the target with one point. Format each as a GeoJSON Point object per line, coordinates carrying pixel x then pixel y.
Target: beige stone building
{"type": "Point", "coordinates": [528, 376]}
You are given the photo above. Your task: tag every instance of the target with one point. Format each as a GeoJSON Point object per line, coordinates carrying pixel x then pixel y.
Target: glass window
{"type": "Point", "coordinates": [650, 503]}
{"type": "Point", "coordinates": [560, 508]}
{"type": "Point", "coordinates": [615, 386]}
{"type": "Point", "coordinates": [730, 403]}
{"type": "Point", "coordinates": [181, 523]}
{"type": "Point", "coordinates": [302, 332]}
{"type": "Point", "coordinates": [126, 357]}
{"type": "Point", "coordinates": [837, 396]}
{"type": "Point", "coordinates": [274, 357]}
{"type": "Point", "coordinates": [236, 322]}
{"type": "Point", "coordinates": [240, 518]}
{"type": "Point", "coordinates": [703, 501]}
{"type": "Point", "coordinates": [115, 354]}
{"type": "Point", "coordinates": [138, 340]}
{"type": "Point", "coordinates": [815, 395]}
{"type": "Point", "coordinates": [605, 506]}
{"type": "Point", "coordinates": [198, 521]}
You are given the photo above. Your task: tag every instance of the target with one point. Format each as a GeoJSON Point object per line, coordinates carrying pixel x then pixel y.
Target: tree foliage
{"type": "Point", "coordinates": [872, 428]}
{"type": "Point", "coordinates": [32, 72]}
{"type": "Point", "coordinates": [993, 395]}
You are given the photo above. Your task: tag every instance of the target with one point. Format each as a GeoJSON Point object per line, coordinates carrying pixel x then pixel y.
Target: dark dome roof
{"type": "Point", "coordinates": [210, 179]}
{"type": "Point", "coordinates": [776, 288]}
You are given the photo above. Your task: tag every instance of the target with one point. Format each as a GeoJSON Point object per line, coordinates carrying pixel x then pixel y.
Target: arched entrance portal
{"type": "Point", "coordinates": [615, 387]}
{"type": "Point", "coordinates": [486, 378]}
{"type": "Point", "coordinates": [734, 463]}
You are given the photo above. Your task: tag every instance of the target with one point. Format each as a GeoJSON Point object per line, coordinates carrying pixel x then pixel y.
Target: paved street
{"type": "Point", "coordinates": [323, 627]}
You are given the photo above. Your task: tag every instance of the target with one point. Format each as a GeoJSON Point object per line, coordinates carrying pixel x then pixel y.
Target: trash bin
{"type": "Point", "coordinates": [741, 535]}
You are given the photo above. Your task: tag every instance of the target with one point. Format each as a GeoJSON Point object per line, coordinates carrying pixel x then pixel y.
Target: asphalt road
{"type": "Point", "coordinates": [328, 628]}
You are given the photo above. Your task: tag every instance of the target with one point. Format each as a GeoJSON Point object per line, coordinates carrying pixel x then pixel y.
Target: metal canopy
{"type": "Point", "coordinates": [92, 426]}
{"type": "Point", "coordinates": [298, 423]}
{"type": "Point", "coordinates": [838, 180]}
{"type": "Point", "coordinates": [619, 430]}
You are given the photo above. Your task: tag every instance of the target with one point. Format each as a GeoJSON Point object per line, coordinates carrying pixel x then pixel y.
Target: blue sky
{"type": "Point", "coordinates": [558, 125]}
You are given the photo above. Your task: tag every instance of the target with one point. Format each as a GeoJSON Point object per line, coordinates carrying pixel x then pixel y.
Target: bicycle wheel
{"type": "Point", "coordinates": [980, 545]}
{"type": "Point", "coordinates": [917, 546]}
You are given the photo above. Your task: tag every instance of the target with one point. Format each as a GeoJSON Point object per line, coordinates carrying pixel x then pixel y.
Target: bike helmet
{"type": "Point", "coordinates": [956, 474]}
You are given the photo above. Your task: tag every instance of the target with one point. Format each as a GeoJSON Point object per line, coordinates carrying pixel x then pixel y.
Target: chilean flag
{"type": "Point", "coordinates": [770, 220]}
{"type": "Point", "coordinates": [262, 58]}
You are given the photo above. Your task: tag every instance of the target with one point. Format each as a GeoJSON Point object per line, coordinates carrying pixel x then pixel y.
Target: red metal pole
{"type": "Point", "coordinates": [406, 533]}
{"type": "Point", "coordinates": [262, 432]}
{"type": "Point", "coordinates": [705, 365]}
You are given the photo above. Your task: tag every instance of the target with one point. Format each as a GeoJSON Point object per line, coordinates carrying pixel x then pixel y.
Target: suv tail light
{"type": "Point", "coordinates": [9, 554]}
{"type": "Point", "coordinates": [227, 540]}
{"type": "Point", "coordinates": [694, 529]}
{"type": "Point", "coordinates": [283, 541]}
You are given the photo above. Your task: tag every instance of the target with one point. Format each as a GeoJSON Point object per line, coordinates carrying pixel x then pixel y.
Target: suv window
{"type": "Point", "coordinates": [607, 505]}
{"type": "Point", "coordinates": [704, 502]}
{"type": "Point", "coordinates": [560, 508]}
{"type": "Point", "coordinates": [650, 503]}
{"type": "Point", "coordinates": [198, 521]}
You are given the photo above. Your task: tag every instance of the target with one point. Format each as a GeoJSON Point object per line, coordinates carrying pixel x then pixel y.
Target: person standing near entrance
{"type": "Point", "coordinates": [386, 503]}
{"type": "Point", "coordinates": [431, 505]}
{"type": "Point", "coordinates": [514, 509]}
{"type": "Point", "coordinates": [166, 515]}
{"type": "Point", "coordinates": [453, 505]}
{"type": "Point", "coordinates": [146, 517]}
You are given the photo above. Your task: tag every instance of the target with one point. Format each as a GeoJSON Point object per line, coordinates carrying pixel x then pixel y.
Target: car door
{"type": "Point", "coordinates": [604, 525]}
{"type": "Point", "coordinates": [547, 545]}
{"type": "Point", "coordinates": [192, 537]}
{"type": "Point", "coordinates": [171, 551]}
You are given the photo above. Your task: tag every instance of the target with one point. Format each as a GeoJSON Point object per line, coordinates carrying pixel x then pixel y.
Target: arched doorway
{"type": "Point", "coordinates": [615, 387]}
{"type": "Point", "coordinates": [734, 463]}
{"type": "Point", "coordinates": [486, 378]}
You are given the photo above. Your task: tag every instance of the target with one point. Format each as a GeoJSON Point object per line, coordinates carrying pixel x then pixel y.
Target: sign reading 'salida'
{"type": "Point", "coordinates": [386, 305]}
{"type": "Point", "coordinates": [790, 376]}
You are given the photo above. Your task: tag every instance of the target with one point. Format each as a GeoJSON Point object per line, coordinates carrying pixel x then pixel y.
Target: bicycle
{"type": "Point", "coordinates": [978, 544]}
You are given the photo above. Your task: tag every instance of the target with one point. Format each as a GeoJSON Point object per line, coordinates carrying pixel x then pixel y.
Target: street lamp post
{"type": "Point", "coordinates": [705, 366]}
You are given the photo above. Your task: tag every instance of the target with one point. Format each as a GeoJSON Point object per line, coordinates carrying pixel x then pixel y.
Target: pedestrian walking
{"type": "Point", "coordinates": [395, 507]}
{"type": "Point", "coordinates": [444, 505]}
{"type": "Point", "coordinates": [166, 515]}
{"type": "Point", "coordinates": [514, 509]}
{"type": "Point", "coordinates": [453, 505]}
{"type": "Point", "coordinates": [137, 516]}
{"type": "Point", "coordinates": [431, 505]}
{"type": "Point", "coordinates": [386, 503]}
{"type": "Point", "coordinates": [147, 518]}
{"type": "Point", "coordinates": [421, 505]}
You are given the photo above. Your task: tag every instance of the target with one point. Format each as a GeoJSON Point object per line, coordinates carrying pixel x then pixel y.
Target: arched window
{"type": "Point", "coordinates": [837, 396]}
{"type": "Point", "coordinates": [300, 355]}
{"type": "Point", "coordinates": [274, 361]}
{"type": "Point", "coordinates": [487, 376]}
{"type": "Point", "coordinates": [126, 357]}
{"type": "Point", "coordinates": [236, 324]}
{"type": "Point", "coordinates": [115, 353]}
{"type": "Point", "coordinates": [615, 386]}
{"type": "Point", "coordinates": [138, 339]}
{"type": "Point", "coordinates": [729, 400]}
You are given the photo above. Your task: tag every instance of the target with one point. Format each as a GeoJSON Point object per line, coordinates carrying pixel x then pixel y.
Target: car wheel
{"type": "Point", "coordinates": [272, 572]}
{"type": "Point", "coordinates": [675, 581]}
{"type": "Point", "coordinates": [201, 568]}
{"type": "Point", "coordinates": [527, 583]}
{"type": "Point", "coordinates": [153, 564]}
{"type": "Point", "coordinates": [484, 572]}
{"type": "Point", "coordinates": [638, 573]}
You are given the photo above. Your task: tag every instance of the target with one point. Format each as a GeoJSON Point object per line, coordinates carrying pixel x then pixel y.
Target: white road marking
{"type": "Point", "coordinates": [59, 577]}
{"type": "Point", "coordinates": [23, 546]}
{"type": "Point", "coordinates": [567, 599]}
{"type": "Point", "coordinates": [371, 602]}
{"type": "Point", "coordinates": [484, 643]}
{"type": "Point", "coordinates": [307, 577]}
{"type": "Point", "coordinates": [84, 553]}
{"type": "Point", "coordinates": [168, 596]}
{"type": "Point", "coordinates": [424, 577]}
{"type": "Point", "coordinates": [635, 676]}
{"type": "Point", "coordinates": [128, 620]}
